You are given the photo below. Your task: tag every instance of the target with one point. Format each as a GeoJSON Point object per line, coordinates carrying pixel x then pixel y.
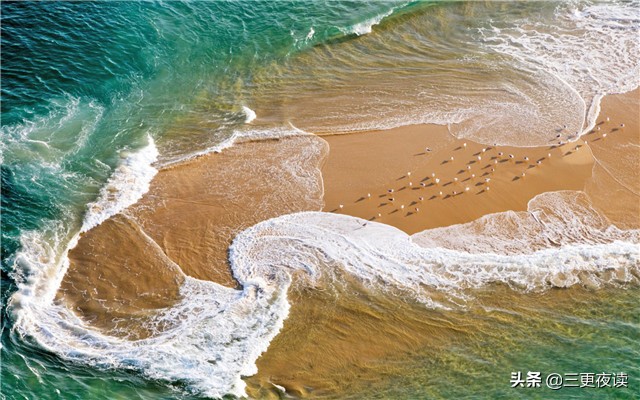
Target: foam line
{"type": "Point", "coordinates": [223, 331]}
{"type": "Point", "coordinates": [250, 115]}
{"type": "Point", "coordinates": [127, 184]}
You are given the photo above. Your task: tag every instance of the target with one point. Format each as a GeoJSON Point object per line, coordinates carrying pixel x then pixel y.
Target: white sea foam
{"type": "Point", "coordinates": [217, 333]}
{"type": "Point", "coordinates": [52, 137]}
{"type": "Point", "coordinates": [41, 262]}
{"type": "Point", "coordinates": [387, 259]}
{"type": "Point", "coordinates": [220, 335]}
{"type": "Point", "coordinates": [592, 48]}
{"type": "Point", "coordinates": [222, 331]}
{"type": "Point", "coordinates": [129, 181]}
{"type": "Point", "coordinates": [364, 27]}
{"type": "Point", "coordinates": [553, 219]}
{"type": "Point", "coordinates": [299, 40]}
{"type": "Point", "coordinates": [250, 115]}
{"type": "Point", "coordinates": [310, 34]}
{"type": "Point", "coordinates": [240, 136]}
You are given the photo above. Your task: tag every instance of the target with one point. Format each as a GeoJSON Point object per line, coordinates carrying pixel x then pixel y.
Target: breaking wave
{"type": "Point", "coordinates": [220, 331]}
{"type": "Point", "coordinates": [129, 181]}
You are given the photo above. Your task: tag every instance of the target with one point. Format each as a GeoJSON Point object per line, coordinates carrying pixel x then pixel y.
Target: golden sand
{"type": "Point", "coordinates": [118, 278]}
{"type": "Point", "coordinates": [133, 264]}
{"type": "Point", "coordinates": [389, 177]}
{"type": "Point", "coordinates": [615, 185]}
{"type": "Point", "coordinates": [331, 342]}
{"type": "Point", "coordinates": [127, 267]}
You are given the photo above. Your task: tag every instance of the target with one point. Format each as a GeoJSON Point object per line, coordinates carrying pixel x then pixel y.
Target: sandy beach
{"type": "Point", "coordinates": [188, 219]}
{"type": "Point", "coordinates": [319, 199]}
{"type": "Point", "coordinates": [391, 177]}
{"type": "Point", "coordinates": [373, 162]}
{"type": "Point", "coordinates": [615, 183]}
{"type": "Point", "coordinates": [131, 266]}
{"type": "Point", "coordinates": [194, 210]}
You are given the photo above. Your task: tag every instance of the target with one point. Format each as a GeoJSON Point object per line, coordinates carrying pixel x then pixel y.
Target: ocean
{"type": "Point", "coordinates": [100, 96]}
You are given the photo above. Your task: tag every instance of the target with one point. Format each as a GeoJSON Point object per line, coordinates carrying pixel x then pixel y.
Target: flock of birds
{"type": "Point", "coordinates": [471, 178]}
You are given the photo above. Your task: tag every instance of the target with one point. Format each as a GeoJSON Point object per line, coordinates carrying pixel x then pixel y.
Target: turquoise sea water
{"type": "Point", "coordinates": [86, 85]}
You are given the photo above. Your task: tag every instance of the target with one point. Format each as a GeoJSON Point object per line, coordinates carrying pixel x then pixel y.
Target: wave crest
{"type": "Point", "coordinates": [127, 184]}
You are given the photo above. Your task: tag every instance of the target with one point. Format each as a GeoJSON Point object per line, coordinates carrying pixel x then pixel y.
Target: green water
{"type": "Point", "coordinates": [84, 84]}
{"type": "Point", "coordinates": [585, 333]}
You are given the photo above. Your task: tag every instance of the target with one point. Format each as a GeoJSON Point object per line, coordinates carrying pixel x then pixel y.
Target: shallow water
{"type": "Point", "coordinates": [99, 96]}
{"type": "Point", "coordinates": [470, 353]}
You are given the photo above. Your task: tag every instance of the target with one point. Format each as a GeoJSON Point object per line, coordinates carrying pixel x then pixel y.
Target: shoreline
{"type": "Point", "coordinates": [195, 209]}
{"type": "Point", "coordinates": [321, 200]}
{"type": "Point", "coordinates": [131, 267]}
{"type": "Point", "coordinates": [447, 192]}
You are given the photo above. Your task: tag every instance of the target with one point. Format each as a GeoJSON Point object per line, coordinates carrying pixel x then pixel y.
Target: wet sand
{"type": "Point", "coordinates": [352, 347]}
{"type": "Point", "coordinates": [363, 168]}
{"type": "Point", "coordinates": [615, 185]}
{"type": "Point", "coordinates": [333, 344]}
{"type": "Point", "coordinates": [118, 279]}
{"type": "Point", "coordinates": [134, 263]}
